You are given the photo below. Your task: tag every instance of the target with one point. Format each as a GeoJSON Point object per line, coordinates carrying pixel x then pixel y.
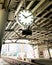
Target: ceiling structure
{"type": "Point", "coordinates": [42, 25]}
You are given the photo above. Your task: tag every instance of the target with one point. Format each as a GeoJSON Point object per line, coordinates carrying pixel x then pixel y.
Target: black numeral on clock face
{"type": "Point", "coordinates": [19, 19]}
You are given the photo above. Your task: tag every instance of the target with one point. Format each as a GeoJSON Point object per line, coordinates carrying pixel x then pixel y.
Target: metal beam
{"type": "Point", "coordinates": [38, 23]}
{"type": "Point", "coordinates": [44, 24]}
{"type": "Point", "coordinates": [18, 8]}
{"type": "Point", "coordinates": [38, 18]}
{"type": "Point", "coordinates": [30, 4]}
{"type": "Point", "coordinates": [38, 5]}
{"type": "Point", "coordinates": [8, 25]}
{"type": "Point", "coordinates": [11, 34]}
{"type": "Point", "coordinates": [44, 7]}
{"type": "Point", "coordinates": [46, 13]}
{"type": "Point", "coordinates": [43, 15]}
{"type": "Point", "coordinates": [49, 25]}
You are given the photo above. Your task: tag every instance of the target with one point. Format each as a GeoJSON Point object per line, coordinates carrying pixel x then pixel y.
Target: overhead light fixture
{"type": "Point", "coordinates": [26, 32]}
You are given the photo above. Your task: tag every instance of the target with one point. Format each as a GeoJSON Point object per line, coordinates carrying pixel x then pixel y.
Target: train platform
{"type": "Point", "coordinates": [14, 61]}
{"type": "Point", "coordinates": [2, 62]}
{"type": "Point", "coordinates": [9, 61]}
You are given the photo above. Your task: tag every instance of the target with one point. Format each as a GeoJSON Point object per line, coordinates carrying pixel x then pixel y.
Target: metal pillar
{"type": "Point", "coordinates": [3, 20]}
{"type": "Point", "coordinates": [48, 50]}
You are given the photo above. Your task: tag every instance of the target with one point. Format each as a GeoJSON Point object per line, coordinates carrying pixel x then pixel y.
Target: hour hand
{"type": "Point", "coordinates": [24, 16]}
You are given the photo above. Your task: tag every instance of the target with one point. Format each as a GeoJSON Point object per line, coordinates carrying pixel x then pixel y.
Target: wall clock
{"type": "Point", "coordinates": [25, 17]}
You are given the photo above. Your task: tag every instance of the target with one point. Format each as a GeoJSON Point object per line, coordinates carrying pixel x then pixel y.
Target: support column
{"type": "Point", "coordinates": [3, 20]}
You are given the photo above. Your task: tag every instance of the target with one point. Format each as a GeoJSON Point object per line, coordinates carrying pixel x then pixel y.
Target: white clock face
{"type": "Point", "coordinates": [25, 17]}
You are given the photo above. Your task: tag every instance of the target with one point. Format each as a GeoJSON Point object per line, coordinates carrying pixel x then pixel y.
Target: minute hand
{"type": "Point", "coordinates": [29, 15]}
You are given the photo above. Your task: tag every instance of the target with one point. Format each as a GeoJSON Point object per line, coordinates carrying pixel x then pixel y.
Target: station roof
{"type": "Point", "coordinates": [42, 25]}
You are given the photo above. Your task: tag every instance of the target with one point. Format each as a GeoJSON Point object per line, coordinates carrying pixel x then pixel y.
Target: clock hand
{"type": "Point", "coordinates": [24, 16]}
{"type": "Point", "coordinates": [29, 15]}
